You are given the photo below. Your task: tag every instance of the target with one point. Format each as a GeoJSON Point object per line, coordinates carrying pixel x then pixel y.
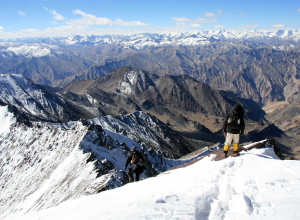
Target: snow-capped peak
{"type": "Point", "coordinates": [136, 79]}
{"type": "Point", "coordinates": [146, 40]}
{"type": "Point", "coordinates": [29, 50]}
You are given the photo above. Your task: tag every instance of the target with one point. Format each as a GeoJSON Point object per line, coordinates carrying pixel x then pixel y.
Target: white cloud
{"type": "Point", "coordinates": [21, 13]}
{"type": "Point", "coordinates": [210, 18]}
{"type": "Point", "coordinates": [126, 23]}
{"type": "Point", "coordinates": [209, 15]}
{"type": "Point", "coordinates": [277, 25]}
{"type": "Point", "coordinates": [30, 31]}
{"type": "Point", "coordinates": [88, 19]}
{"type": "Point", "coordinates": [248, 26]}
{"type": "Point", "coordinates": [69, 30]}
{"type": "Point", "coordinates": [298, 10]}
{"type": "Point", "coordinates": [57, 16]}
{"type": "Point", "coordinates": [181, 19]}
{"type": "Point", "coordinates": [220, 11]}
{"type": "Point", "coordinates": [45, 8]}
{"type": "Point", "coordinates": [49, 32]}
{"type": "Point", "coordinates": [219, 26]}
{"type": "Point", "coordinates": [194, 25]}
{"type": "Point", "coordinates": [81, 26]}
{"type": "Point", "coordinates": [204, 20]}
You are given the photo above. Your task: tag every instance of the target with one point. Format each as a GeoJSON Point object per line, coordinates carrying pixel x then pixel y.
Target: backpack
{"type": "Point", "coordinates": [136, 165]}
{"type": "Point", "coordinates": [234, 119]}
{"type": "Point", "coordinates": [135, 158]}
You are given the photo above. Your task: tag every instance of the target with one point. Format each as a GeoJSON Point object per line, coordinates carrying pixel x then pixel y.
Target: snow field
{"type": "Point", "coordinates": [256, 185]}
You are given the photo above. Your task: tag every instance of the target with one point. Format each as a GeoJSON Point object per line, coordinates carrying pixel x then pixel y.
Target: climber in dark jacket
{"type": "Point", "coordinates": [233, 127]}
{"type": "Point", "coordinates": [129, 159]}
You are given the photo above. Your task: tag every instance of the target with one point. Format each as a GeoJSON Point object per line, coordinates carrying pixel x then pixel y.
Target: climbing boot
{"type": "Point", "coordinates": [225, 153]}
{"type": "Point", "coordinates": [235, 154]}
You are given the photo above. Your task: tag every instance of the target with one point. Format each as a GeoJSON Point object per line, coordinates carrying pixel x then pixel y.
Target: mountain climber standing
{"type": "Point", "coordinates": [233, 127]}
{"type": "Point", "coordinates": [135, 159]}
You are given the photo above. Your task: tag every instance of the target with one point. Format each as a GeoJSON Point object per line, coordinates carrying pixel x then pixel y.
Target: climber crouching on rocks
{"type": "Point", "coordinates": [135, 159]}
{"type": "Point", "coordinates": [233, 127]}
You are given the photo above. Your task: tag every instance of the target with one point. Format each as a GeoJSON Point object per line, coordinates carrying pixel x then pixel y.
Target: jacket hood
{"type": "Point", "coordinates": [238, 109]}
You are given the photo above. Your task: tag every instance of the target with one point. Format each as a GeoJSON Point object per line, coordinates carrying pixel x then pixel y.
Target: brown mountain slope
{"type": "Point", "coordinates": [285, 115]}
{"type": "Point", "coordinates": [261, 73]}
{"type": "Point", "coordinates": [188, 106]}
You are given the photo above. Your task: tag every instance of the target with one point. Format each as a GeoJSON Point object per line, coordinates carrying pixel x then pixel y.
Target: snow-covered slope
{"type": "Point", "coordinates": [149, 132]}
{"type": "Point", "coordinates": [33, 99]}
{"type": "Point", "coordinates": [138, 79]}
{"type": "Point", "coordinates": [45, 164]}
{"type": "Point", "coordinates": [256, 185]}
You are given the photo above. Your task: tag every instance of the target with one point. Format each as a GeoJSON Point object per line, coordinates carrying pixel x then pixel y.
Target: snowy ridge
{"type": "Point", "coordinates": [38, 166]}
{"type": "Point", "coordinates": [256, 185]}
{"type": "Point", "coordinates": [146, 130]}
{"type": "Point", "coordinates": [47, 164]}
{"type": "Point", "coordinates": [19, 91]}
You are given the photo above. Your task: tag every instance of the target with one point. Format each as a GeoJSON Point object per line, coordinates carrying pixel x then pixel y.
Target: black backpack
{"type": "Point", "coordinates": [135, 158]}
{"type": "Point", "coordinates": [234, 119]}
{"type": "Point", "coordinates": [136, 165]}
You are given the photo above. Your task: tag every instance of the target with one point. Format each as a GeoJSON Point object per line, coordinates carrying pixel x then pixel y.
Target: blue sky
{"type": "Point", "coordinates": [49, 18]}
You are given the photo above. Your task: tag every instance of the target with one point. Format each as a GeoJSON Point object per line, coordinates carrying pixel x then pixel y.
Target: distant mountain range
{"type": "Point", "coordinates": [259, 73]}
{"type": "Point", "coordinates": [264, 71]}
{"type": "Point", "coordinates": [191, 38]}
